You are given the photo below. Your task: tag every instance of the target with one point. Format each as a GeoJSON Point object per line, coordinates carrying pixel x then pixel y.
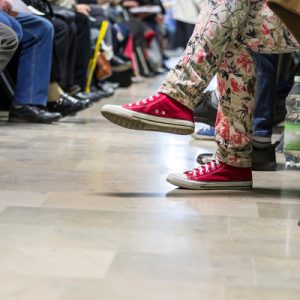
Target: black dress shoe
{"type": "Point", "coordinates": [113, 85]}
{"type": "Point", "coordinates": [86, 102]}
{"type": "Point", "coordinates": [32, 114]}
{"type": "Point", "coordinates": [67, 105]}
{"type": "Point", "coordinates": [93, 96]}
{"type": "Point", "coordinates": [105, 91]}
{"type": "Point", "coordinates": [264, 159]}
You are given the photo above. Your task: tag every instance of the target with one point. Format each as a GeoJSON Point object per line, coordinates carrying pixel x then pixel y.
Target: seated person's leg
{"type": "Point", "coordinates": [70, 79]}
{"type": "Point", "coordinates": [8, 46]}
{"type": "Point", "coordinates": [83, 49]}
{"type": "Point", "coordinates": [31, 92]}
{"type": "Point", "coordinates": [58, 100]}
{"type": "Point", "coordinates": [35, 60]}
{"type": "Point", "coordinates": [214, 47]}
{"type": "Point", "coordinates": [12, 23]}
{"type": "Point", "coordinates": [60, 52]}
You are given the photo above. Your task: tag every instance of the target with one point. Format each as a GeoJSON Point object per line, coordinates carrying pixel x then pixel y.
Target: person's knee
{"type": "Point", "coordinates": [8, 45]}
{"type": "Point", "coordinates": [9, 39]}
{"type": "Point", "coordinates": [61, 28]}
{"type": "Point", "coordinates": [39, 28]}
{"type": "Point", "coordinates": [82, 20]}
{"type": "Point", "coordinates": [47, 27]}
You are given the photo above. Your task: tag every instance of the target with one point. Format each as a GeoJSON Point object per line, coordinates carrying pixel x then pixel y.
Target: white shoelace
{"type": "Point", "coordinates": [213, 164]}
{"type": "Point", "coordinates": [145, 101]}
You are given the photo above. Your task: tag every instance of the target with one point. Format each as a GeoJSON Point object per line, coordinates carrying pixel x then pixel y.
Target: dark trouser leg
{"type": "Point", "coordinates": [83, 49]}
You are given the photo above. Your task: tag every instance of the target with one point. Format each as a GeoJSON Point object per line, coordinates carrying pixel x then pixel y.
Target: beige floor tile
{"type": "Point", "coordinates": [58, 217]}
{"type": "Point", "coordinates": [256, 293]}
{"type": "Point", "coordinates": [280, 211]}
{"type": "Point", "coordinates": [15, 235]}
{"type": "Point", "coordinates": [15, 198]}
{"type": "Point", "coordinates": [140, 202]}
{"type": "Point", "coordinates": [56, 262]}
{"type": "Point", "coordinates": [129, 241]}
{"type": "Point", "coordinates": [128, 289]}
{"type": "Point", "coordinates": [277, 273]}
{"type": "Point", "coordinates": [25, 287]}
{"type": "Point", "coordinates": [184, 268]}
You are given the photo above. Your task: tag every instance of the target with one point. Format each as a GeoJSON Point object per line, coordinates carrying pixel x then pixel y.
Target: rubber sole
{"type": "Point", "coordinates": [19, 120]}
{"type": "Point", "coordinates": [204, 185]}
{"type": "Point", "coordinates": [138, 121]}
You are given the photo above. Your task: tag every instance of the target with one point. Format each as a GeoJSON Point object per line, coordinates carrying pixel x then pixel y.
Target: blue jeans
{"type": "Point", "coordinates": [36, 41]}
{"type": "Point", "coordinates": [270, 89]}
{"type": "Point", "coordinates": [266, 73]}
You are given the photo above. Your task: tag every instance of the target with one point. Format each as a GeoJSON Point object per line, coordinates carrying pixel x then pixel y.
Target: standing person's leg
{"type": "Point", "coordinates": [263, 155]}
{"type": "Point", "coordinates": [266, 65]}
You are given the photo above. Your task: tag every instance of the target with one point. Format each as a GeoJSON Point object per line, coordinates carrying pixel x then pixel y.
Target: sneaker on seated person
{"type": "Point", "coordinates": [157, 113]}
{"type": "Point", "coordinates": [213, 175]}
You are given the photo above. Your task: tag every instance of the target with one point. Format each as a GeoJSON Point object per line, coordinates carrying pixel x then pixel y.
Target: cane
{"type": "Point", "coordinates": [93, 60]}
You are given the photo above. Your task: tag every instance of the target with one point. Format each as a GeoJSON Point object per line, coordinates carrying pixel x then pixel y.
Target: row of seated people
{"type": "Point", "coordinates": [48, 56]}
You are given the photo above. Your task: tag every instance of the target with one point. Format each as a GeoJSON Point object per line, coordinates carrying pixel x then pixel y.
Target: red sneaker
{"type": "Point", "coordinates": [157, 113]}
{"type": "Point", "coordinates": [213, 175]}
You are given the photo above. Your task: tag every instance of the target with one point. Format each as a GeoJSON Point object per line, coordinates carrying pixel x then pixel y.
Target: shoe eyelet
{"type": "Point", "coordinates": [157, 111]}
{"type": "Point", "coordinates": [163, 112]}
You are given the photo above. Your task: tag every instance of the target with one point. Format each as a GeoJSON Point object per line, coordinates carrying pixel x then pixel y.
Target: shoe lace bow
{"type": "Point", "coordinates": [145, 101]}
{"type": "Point", "coordinates": [206, 167]}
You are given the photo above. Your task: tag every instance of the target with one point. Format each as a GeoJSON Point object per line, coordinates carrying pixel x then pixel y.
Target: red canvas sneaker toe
{"type": "Point", "coordinates": [156, 113]}
{"type": "Point", "coordinates": [213, 175]}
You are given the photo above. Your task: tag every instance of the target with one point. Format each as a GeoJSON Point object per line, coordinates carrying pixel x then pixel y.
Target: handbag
{"type": "Point", "coordinates": [103, 68]}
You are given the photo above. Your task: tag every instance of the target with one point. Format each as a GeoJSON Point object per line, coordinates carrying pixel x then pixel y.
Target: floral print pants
{"type": "Point", "coordinates": [225, 36]}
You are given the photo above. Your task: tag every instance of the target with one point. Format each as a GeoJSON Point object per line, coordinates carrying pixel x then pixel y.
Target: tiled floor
{"type": "Point", "coordinates": [86, 214]}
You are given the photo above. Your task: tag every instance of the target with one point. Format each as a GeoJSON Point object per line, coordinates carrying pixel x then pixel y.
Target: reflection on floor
{"type": "Point", "coordinates": [86, 214]}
